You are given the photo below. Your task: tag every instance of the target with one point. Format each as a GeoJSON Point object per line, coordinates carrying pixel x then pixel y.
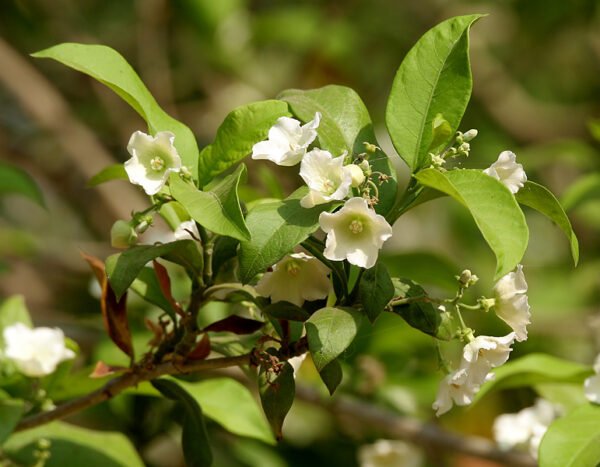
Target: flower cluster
{"type": "Point", "coordinates": [35, 352]}
{"type": "Point", "coordinates": [355, 232]}
{"type": "Point", "coordinates": [389, 453]}
{"type": "Point", "coordinates": [592, 384]}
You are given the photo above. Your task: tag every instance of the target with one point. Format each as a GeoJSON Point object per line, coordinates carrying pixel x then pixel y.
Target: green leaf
{"type": "Point", "coordinates": [110, 68]}
{"type": "Point", "coordinates": [375, 290]}
{"type": "Point", "coordinates": [535, 369]}
{"type": "Point", "coordinates": [277, 391]}
{"type": "Point", "coordinates": [146, 285]}
{"type": "Point", "coordinates": [231, 405]}
{"type": "Point", "coordinates": [241, 129]}
{"type": "Point", "coordinates": [433, 79]}
{"type": "Point", "coordinates": [71, 445]}
{"type": "Point", "coordinates": [420, 315]}
{"type": "Point", "coordinates": [14, 180]}
{"type": "Point", "coordinates": [10, 414]}
{"type": "Point", "coordinates": [542, 200]}
{"type": "Point", "coordinates": [345, 126]}
{"type": "Point", "coordinates": [573, 440]}
{"type": "Point", "coordinates": [112, 172]}
{"type": "Point", "coordinates": [330, 331]}
{"type": "Point", "coordinates": [194, 438]}
{"type": "Point", "coordinates": [13, 310]}
{"type": "Point", "coordinates": [441, 132]}
{"type": "Point", "coordinates": [424, 267]}
{"type": "Point", "coordinates": [585, 189]}
{"type": "Point", "coordinates": [276, 228]}
{"type": "Point", "coordinates": [218, 209]}
{"type": "Point", "coordinates": [287, 311]}
{"type": "Point", "coordinates": [332, 375]}
{"type": "Point", "coordinates": [493, 207]}
{"type": "Point", "coordinates": [123, 268]}
{"type": "Point", "coordinates": [174, 214]}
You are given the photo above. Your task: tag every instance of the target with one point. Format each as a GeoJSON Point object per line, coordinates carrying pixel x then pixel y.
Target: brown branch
{"type": "Point", "coordinates": [128, 380]}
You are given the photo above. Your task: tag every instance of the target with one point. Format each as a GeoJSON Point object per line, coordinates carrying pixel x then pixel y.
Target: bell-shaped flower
{"type": "Point", "coordinates": [390, 453]}
{"type": "Point", "coordinates": [458, 387]}
{"type": "Point", "coordinates": [526, 428]}
{"type": "Point", "coordinates": [592, 384]}
{"type": "Point", "coordinates": [296, 278]}
{"type": "Point", "coordinates": [508, 171]}
{"type": "Point", "coordinates": [326, 177]}
{"type": "Point", "coordinates": [152, 160]}
{"type": "Point", "coordinates": [35, 352]}
{"type": "Point", "coordinates": [510, 302]}
{"type": "Point", "coordinates": [355, 233]}
{"type": "Point", "coordinates": [287, 141]}
{"type": "Point", "coordinates": [486, 352]}
{"type": "Point", "coordinates": [187, 230]}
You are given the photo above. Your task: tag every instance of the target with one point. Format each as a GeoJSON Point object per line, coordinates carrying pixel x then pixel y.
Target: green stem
{"type": "Point", "coordinates": [469, 307]}
{"type": "Point", "coordinates": [315, 247]}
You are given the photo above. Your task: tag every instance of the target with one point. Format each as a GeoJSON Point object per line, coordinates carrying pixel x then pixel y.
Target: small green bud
{"type": "Point", "coordinates": [43, 444]}
{"type": "Point", "coordinates": [486, 303]}
{"type": "Point", "coordinates": [464, 148]}
{"type": "Point", "coordinates": [143, 222]}
{"type": "Point", "coordinates": [467, 278]}
{"type": "Point", "coordinates": [185, 172]}
{"type": "Point", "coordinates": [371, 148]}
{"type": "Point", "coordinates": [123, 234]}
{"type": "Point", "coordinates": [437, 160]}
{"type": "Point", "coordinates": [357, 174]}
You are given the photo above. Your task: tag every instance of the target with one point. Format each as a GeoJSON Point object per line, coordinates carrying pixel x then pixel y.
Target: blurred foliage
{"type": "Point", "coordinates": [536, 92]}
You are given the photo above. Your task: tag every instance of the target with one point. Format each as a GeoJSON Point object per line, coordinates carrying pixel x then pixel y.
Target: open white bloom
{"type": "Point", "coordinates": [295, 278]}
{"type": "Point", "coordinates": [526, 428]}
{"type": "Point", "coordinates": [187, 230]}
{"type": "Point", "coordinates": [458, 387]}
{"type": "Point", "coordinates": [511, 303]}
{"type": "Point", "coordinates": [592, 384]}
{"type": "Point", "coordinates": [152, 160]}
{"type": "Point", "coordinates": [486, 352]}
{"type": "Point", "coordinates": [326, 177]}
{"type": "Point", "coordinates": [35, 352]}
{"type": "Point", "coordinates": [508, 171]}
{"type": "Point", "coordinates": [389, 453]}
{"type": "Point", "coordinates": [287, 141]}
{"type": "Point", "coordinates": [355, 233]}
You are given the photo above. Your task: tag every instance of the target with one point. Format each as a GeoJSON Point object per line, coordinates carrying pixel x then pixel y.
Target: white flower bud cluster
{"type": "Point", "coordinates": [592, 384]}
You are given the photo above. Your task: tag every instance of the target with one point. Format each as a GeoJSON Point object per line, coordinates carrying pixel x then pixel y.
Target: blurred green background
{"type": "Point", "coordinates": [535, 63]}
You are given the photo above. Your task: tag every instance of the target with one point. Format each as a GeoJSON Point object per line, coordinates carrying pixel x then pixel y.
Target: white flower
{"type": "Point", "coordinates": [526, 428]}
{"type": "Point", "coordinates": [458, 387]}
{"type": "Point", "coordinates": [508, 171]}
{"type": "Point", "coordinates": [326, 177]}
{"type": "Point", "coordinates": [295, 278]}
{"type": "Point", "coordinates": [297, 362]}
{"type": "Point", "coordinates": [187, 230]}
{"type": "Point", "coordinates": [389, 453]}
{"type": "Point", "coordinates": [355, 233]}
{"type": "Point", "coordinates": [486, 352]}
{"type": "Point", "coordinates": [35, 352]}
{"type": "Point", "coordinates": [592, 384]}
{"type": "Point", "coordinates": [152, 160]}
{"type": "Point", "coordinates": [287, 141]}
{"type": "Point", "coordinates": [511, 303]}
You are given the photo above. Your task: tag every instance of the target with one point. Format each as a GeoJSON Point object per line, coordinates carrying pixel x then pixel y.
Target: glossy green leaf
{"type": "Point", "coordinates": [174, 214]}
{"type": "Point", "coordinates": [13, 310]}
{"type": "Point", "coordinates": [534, 369]}
{"type": "Point", "coordinates": [194, 437]}
{"type": "Point", "coordinates": [112, 172]}
{"type": "Point", "coordinates": [123, 268]}
{"type": "Point", "coordinates": [493, 207]}
{"type": "Point", "coordinates": [146, 285]}
{"type": "Point", "coordinates": [14, 180]}
{"type": "Point", "coordinates": [231, 405]}
{"type": "Point", "coordinates": [11, 411]}
{"type": "Point", "coordinates": [110, 68]}
{"type": "Point", "coordinates": [241, 129]}
{"type": "Point", "coordinates": [573, 440]}
{"type": "Point", "coordinates": [424, 267]}
{"type": "Point", "coordinates": [332, 375]}
{"type": "Point", "coordinates": [217, 209]}
{"type": "Point", "coordinates": [375, 290]}
{"type": "Point", "coordinates": [433, 79]}
{"type": "Point", "coordinates": [345, 126]}
{"type": "Point", "coordinates": [286, 311]}
{"type": "Point", "coordinates": [542, 200]}
{"type": "Point", "coordinates": [330, 331]}
{"type": "Point", "coordinates": [276, 228]}
{"type": "Point", "coordinates": [72, 445]}
{"type": "Point", "coordinates": [585, 189]}
{"type": "Point", "coordinates": [277, 391]}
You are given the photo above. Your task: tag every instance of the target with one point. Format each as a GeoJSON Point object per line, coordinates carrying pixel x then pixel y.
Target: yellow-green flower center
{"type": "Point", "coordinates": [355, 226]}
{"type": "Point", "coordinates": [328, 187]}
{"type": "Point", "coordinates": [292, 268]}
{"type": "Point", "coordinates": [157, 163]}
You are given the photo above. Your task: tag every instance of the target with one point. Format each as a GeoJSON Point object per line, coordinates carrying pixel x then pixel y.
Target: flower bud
{"type": "Point", "coordinates": [357, 174]}
{"type": "Point", "coordinates": [143, 223]}
{"type": "Point", "coordinates": [464, 148]}
{"type": "Point", "coordinates": [470, 135]}
{"type": "Point", "coordinates": [467, 278]}
{"type": "Point", "coordinates": [123, 234]}
{"type": "Point", "coordinates": [371, 148]}
{"type": "Point", "coordinates": [486, 303]}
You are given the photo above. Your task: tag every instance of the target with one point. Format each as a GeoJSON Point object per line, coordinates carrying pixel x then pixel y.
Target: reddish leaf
{"type": "Point", "coordinates": [114, 312]}
{"type": "Point", "coordinates": [165, 286]}
{"type": "Point", "coordinates": [202, 349]}
{"type": "Point", "coordinates": [102, 370]}
{"type": "Point", "coordinates": [236, 324]}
